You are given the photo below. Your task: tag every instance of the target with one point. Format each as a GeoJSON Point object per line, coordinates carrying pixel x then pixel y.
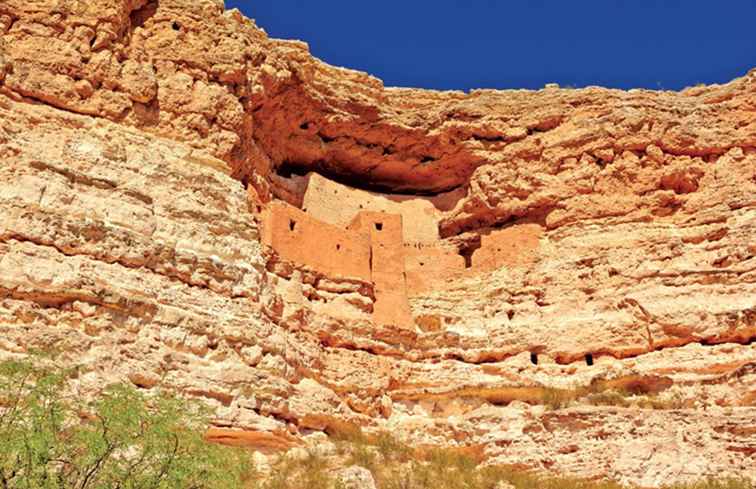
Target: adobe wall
{"type": "Point", "coordinates": [430, 265]}
{"type": "Point", "coordinates": [338, 204]}
{"type": "Point", "coordinates": [372, 248]}
{"type": "Point", "coordinates": [387, 265]}
{"type": "Point", "coordinates": [304, 240]}
{"type": "Point", "coordinates": [513, 246]}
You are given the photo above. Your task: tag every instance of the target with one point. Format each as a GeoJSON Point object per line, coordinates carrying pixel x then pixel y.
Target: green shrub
{"type": "Point", "coordinates": [122, 439]}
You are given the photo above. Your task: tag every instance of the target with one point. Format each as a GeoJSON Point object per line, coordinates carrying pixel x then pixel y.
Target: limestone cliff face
{"type": "Point", "coordinates": [564, 239]}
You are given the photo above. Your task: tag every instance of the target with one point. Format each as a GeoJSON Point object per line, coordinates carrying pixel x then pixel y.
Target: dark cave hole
{"type": "Point", "coordinates": [140, 16]}
{"type": "Point", "coordinates": [589, 359]}
{"type": "Point", "coordinates": [288, 170]}
{"type": "Point", "coordinates": [332, 171]}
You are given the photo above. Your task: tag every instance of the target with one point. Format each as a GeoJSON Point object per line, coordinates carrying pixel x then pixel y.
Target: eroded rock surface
{"type": "Point", "coordinates": [558, 239]}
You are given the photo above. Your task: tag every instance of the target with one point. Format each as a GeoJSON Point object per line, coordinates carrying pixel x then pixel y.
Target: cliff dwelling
{"type": "Point", "coordinates": [562, 280]}
{"type": "Point", "coordinates": [390, 241]}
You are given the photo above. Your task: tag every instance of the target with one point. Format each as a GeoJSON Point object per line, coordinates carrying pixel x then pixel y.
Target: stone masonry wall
{"type": "Point", "coordinates": [338, 204]}
{"type": "Point", "coordinates": [369, 249]}
{"type": "Point", "coordinates": [397, 268]}
{"type": "Point", "coordinates": [515, 245]}
{"type": "Point", "coordinates": [386, 265]}
{"type": "Point", "coordinates": [302, 239]}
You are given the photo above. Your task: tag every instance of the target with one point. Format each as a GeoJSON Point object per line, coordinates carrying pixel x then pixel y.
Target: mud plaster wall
{"type": "Point", "coordinates": [372, 248]}
{"type": "Point", "coordinates": [387, 266]}
{"type": "Point", "coordinates": [429, 266]}
{"type": "Point", "coordinates": [302, 239]}
{"type": "Point", "coordinates": [513, 246]}
{"type": "Point", "coordinates": [338, 204]}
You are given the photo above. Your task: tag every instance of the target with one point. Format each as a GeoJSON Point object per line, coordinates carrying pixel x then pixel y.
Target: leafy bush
{"type": "Point", "coordinates": [121, 440]}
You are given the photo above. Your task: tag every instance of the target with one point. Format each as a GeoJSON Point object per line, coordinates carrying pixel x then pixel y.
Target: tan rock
{"type": "Point", "coordinates": [3, 67]}
{"type": "Point", "coordinates": [319, 444]}
{"type": "Point", "coordinates": [298, 454]}
{"type": "Point", "coordinates": [252, 355]}
{"type": "Point", "coordinates": [139, 81]}
{"type": "Point", "coordinates": [356, 477]}
{"type": "Point", "coordinates": [262, 463]}
{"type": "Point", "coordinates": [522, 246]}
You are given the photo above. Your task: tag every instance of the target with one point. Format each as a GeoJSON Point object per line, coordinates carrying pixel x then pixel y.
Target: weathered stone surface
{"type": "Point", "coordinates": [356, 477]}
{"type": "Point", "coordinates": [541, 231]}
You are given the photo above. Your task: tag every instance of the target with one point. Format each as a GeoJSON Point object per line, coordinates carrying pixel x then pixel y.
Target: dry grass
{"type": "Point", "coordinates": [609, 398]}
{"type": "Point", "coordinates": [646, 391]}
{"type": "Point", "coordinates": [556, 399]}
{"type": "Point", "coordinates": [715, 484]}
{"type": "Point", "coordinates": [642, 392]}
{"type": "Point", "coordinates": [396, 465]}
{"type": "Point", "coordinates": [314, 471]}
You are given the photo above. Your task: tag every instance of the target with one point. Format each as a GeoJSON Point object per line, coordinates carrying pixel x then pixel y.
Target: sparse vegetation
{"type": "Point", "coordinates": [642, 392]}
{"type": "Point", "coordinates": [395, 465]}
{"type": "Point", "coordinates": [126, 440]}
{"type": "Point", "coordinates": [674, 401]}
{"type": "Point", "coordinates": [555, 399]}
{"type": "Point", "coordinates": [716, 484]}
{"type": "Point", "coordinates": [609, 398]}
{"type": "Point", "coordinates": [392, 449]}
{"type": "Point", "coordinates": [122, 439]}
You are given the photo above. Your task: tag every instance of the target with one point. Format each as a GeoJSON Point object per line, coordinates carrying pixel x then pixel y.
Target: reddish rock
{"type": "Point", "coordinates": [456, 259]}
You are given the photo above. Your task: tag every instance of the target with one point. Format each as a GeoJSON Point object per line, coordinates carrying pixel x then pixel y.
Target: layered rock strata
{"type": "Point", "coordinates": [576, 239]}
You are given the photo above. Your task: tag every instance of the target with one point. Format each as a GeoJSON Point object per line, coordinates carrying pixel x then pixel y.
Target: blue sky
{"type": "Point", "coordinates": [447, 44]}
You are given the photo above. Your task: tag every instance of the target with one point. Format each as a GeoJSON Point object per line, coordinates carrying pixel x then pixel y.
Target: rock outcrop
{"type": "Point", "coordinates": [578, 240]}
